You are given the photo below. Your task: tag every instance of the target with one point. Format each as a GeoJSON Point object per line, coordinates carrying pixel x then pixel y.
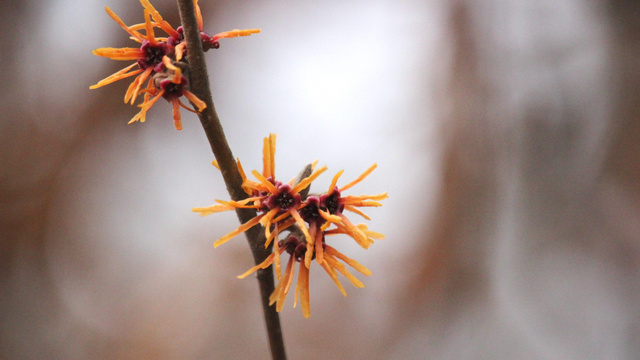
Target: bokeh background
{"type": "Point", "coordinates": [506, 133]}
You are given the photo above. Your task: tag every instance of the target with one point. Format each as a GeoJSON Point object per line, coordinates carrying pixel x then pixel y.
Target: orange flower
{"type": "Point", "coordinates": [277, 203]}
{"type": "Point", "coordinates": [297, 249]}
{"type": "Point", "coordinates": [327, 209]}
{"type": "Point", "coordinates": [286, 207]}
{"type": "Point", "coordinates": [156, 59]}
{"type": "Point", "coordinates": [171, 89]}
{"type": "Point", "coordinates": [148, 56]}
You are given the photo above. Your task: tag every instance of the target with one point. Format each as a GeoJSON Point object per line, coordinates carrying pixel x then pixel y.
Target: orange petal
{"type": "Point", "coordinates": [306, 181]}
{"type": "Point", "coordinates": [198, 14]}
{"type": "Point", "coordinates": [281, 290]}
{"type": "Point", "coordinates": [241, 170]}
{"type": "Point", "coordinates": [179, 49]}
{"type": "Point", "coordinates": [356, 233]}
{"type": "Point", "coordinates": [331, 218]}
{"type": "Point", "coordinates": [267, 169]}
{"type": "Point", "coordinates": [158, 18]}
{"type": "Point", "coordinates": [342, 269]}
{"type": "Point", "coordinates": [272, 154]}
{"type": "Point", "coordinates": [145, 107]}
{"type": "Point", "coordinates": [357, 211]}
{"type": "Point", "coordinates": [204, 211]}
{"type": "Point", "coordinates": [303, 282]}
{"type": "Point", "coordinates": [176, 114]}
{"type": "Point", "coordinates": [266, 183]}
{"type": "Point", "coordinates": [117, 19]}
{"type": "Point", "coordinates": [334, 277]}
{"type": "Point", "coordinates": [319, 251]}
{"type": "Point", "coordinates": [177, 73]}
{"type": "Point", "coordinates": [263, 265]}
{"type": "Point", "coordinates": [122, 74]}
{"type": "Point", "coordinates": [242, 228]}
{"type": "Point", "coordinates": [334, 182]}
{"type": "Point", "coordinates": [303, 226]}
{"type": "Point", "coordinates": [276, 251]}
{"type": "Point", "coordinates": [235, 33]}
{"type": "Point", "coordinates": [134, 88]}
{"type": "Point", "coordinates": [354, 264]}
{"type": "Point", "coordinates": [118, 53]}
{"type": "Point", "coordinates": [360, 178]}
{"type": "Point", "coordinates": [194, 99]}
{"type": "Point", "coordinates": [266, 222]}
{"type": "Point", "coordinates": [357, 199]}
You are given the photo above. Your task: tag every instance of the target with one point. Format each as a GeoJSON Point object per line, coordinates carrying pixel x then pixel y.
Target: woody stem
{"type": "Point", "coordinates": [199, 85]}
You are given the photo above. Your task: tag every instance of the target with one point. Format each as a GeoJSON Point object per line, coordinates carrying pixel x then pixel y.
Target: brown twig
{"type": "Point", "coordinates": [199, 85]}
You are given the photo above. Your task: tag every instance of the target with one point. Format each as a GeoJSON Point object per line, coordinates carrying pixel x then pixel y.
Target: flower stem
{"type": "Point", "coordinates": [199, 85]}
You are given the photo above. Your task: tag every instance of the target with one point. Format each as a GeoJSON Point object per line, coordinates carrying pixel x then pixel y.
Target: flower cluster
{"type": "Point", "coordinates": [307, 219]}
{"type": "Point", "coordinates": [160, 62]}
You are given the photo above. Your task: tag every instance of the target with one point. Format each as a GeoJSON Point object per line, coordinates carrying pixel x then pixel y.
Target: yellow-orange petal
{"type": "Point", "coordinates": [177, 123]}
{"type": "Point", "coordinates": [334, 181]}
{"type": "Point", "coordinates": [235, 33]}
{"type": "Point", "coordinates": [242, 228]}
{"type": "Point", "coordinates": [134, 88]}
{"type": "Point", "coordinates": [242, 203]}
{"type": "Point", "coordinates": [145, 107]}
{"type": "Point", "coordinates": [182, 105]}
{"type": "Point", "coordinates": [266, 222]}
{"type": "Point", "coordinates": [204, 211]}
{"type": "Point", "coordinates": [371, 234]}
{"type": "Point", "coordinates": [201, 105]}
{"type": "Point", "coordinates": [272, 154]}
{"type": "Point", "coordinates": [306, 181]}
{"type": "Point", "coordinates": [357, 211]}
{"type": "Point", "coordinates": [354, 264]}
{"type": "Point", "coordinates": [331, 218]}
{"type": "Point", "coordinates": [319, 250]}
{"type": "Point", "coordinates": [303, 281]}
{"type": "Point", "coordinates": [198, 14]}
{"type": "Point", "coordinates": [276, 252]}
{"type": "Point", "coordinates": [177, 73]}
{"type": "Point", "coordinates": [332, 274]}
{"type": "Point", "coordinates": [281, 227]}
{"type": "Point", "coordinates": [308, 254]}
{"type": "Point", "coordinates": [342, 269]}
{"type": "Point", "coordinates": [122, 74]}
{"type": "Point", "coordinates": [263, 265]}
{"type": "Point", "coordinates": [303, 226]}
{"type": "Point", "coordinates": [360, 178]}
{"type": "Point", "coordinates": [158, 19]}
{"type": "Point", "coordinates": [357, 234]}
{"type": "Point", "coordinates": [280, 292]}
{"type": "Point", "coordinates": [179, 49]}
{"type": "Point", "coordinates": [357, 199]}
{"type": "Point", "coordinates": [268, 156]}
{"type": "Point", "coordinates": [264, 182]}
{"type": "Point", "coordinates": [118, 53]}
{"type": "Point", "coordinates": [148, 26]}
{"type": "Point", "coordinates": [117, 19]}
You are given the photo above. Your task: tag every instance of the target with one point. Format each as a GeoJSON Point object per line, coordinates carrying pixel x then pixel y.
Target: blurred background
{"type": "Point", "coordinates": [506, 133]}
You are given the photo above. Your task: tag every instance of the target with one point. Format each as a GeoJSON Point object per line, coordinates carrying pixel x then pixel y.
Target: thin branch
{"type": "Point", "coordinates": [199, 85]}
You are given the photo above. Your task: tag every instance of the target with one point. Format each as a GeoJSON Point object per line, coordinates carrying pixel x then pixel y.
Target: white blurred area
{"type": "Point", "coordinates": [504, 131]}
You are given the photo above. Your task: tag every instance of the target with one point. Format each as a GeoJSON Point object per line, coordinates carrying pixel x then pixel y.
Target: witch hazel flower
{"type": "Point", "coordinates": [328, 209]}
{"type": "Point", "coordinates": [277, 203]}
{"type": "Point", "coordinates": [156, 61]}
{"type": "Point", "coordinates": [171, 85]}
{"type": "Point", "coordinates": [307, 219]}
{"type": "Point", "coordinates": [148, 57]}
{"type": "Point", "coordinates": [333, 263]}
